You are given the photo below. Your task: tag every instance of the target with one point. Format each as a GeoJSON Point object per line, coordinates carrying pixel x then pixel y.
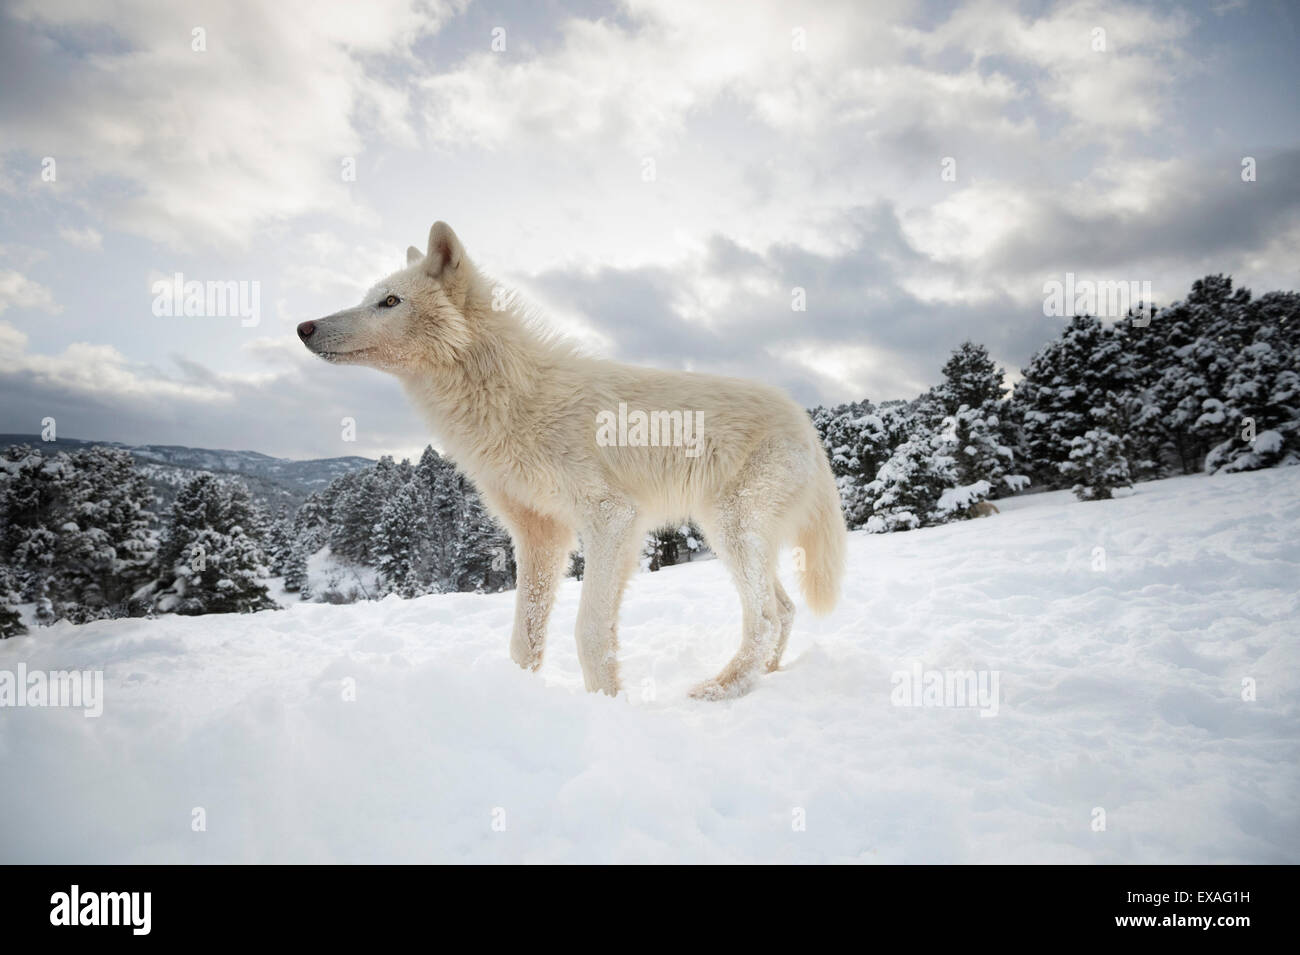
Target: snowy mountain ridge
{"type": "Point", "coordinates": [302, 477]}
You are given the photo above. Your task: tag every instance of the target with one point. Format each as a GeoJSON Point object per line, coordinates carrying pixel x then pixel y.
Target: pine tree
{"type": "Point", "coordinates": [11, 623]}
{"type": "Point", "coordinates": [577, 565]}
{"type": "Point", "coordinates": [908, 488]}
{"type": "Point", "coordinates": [670, 545]}
{"type": "Point", "coordinates": [968, 407]}
{"type": "Point", "coordinates": [1098, 465]}
{"type": "Point", "coordinates": [212, 564]}
{"type": "Point", "coordinates": [859, 438]}
{"type": "Point", "coordinates": [353, 514]}
{"type": "Point", "coordinates": [311, 524]}
{"type": "Point", "coordinates": [198, 505]}
{"type": "Point", "coordinates": [76, 530]}
{"type": "Point", "coordinates": [447, 504]}
{"type": "Point", "coordinates": [295, 569]}
{"type": "Point", "coordinates": [972, 440]}
{"type": "Point", "coordinates": [1256, 424]}
{"type": "Point", "coordinates": [1182, 360]}
{"type": "Point", "coordinates": [401, 544]}
{"type": "Point", "coordinates": [279, 545]}
{"type": "Point", "coordinates": [240, 569]}
{"type": "Point", "coordinates": [970, 380]}
{"type": "Point", "coordinates": [106, 545]}
{"type": "Point", "coordinates": [1069, 385]}
{"type": "Point", "coordinates": [484, 561]}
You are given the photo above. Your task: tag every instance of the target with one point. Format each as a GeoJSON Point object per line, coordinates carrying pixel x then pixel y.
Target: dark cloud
{"type": "Point", "coordinates": [1209, 212]}
{"type": "Point", "coordinates": [295, 414]}
{"type": "Point", "coordinates": [853, 299]}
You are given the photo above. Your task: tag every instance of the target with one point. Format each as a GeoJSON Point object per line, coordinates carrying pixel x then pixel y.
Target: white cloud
{"type": "Point", "coordinates": [1107, 66]}
{"type": "Point", "coordinates": [19, 291]}
{"type": "Point", "coordinates": [816, 167]}
{"type": "Point", "coordinates": [85, 238]}
{"type": "Point", "coordinates": [214, 143]}
{"type": "Point", "coordinates": [96, 371]}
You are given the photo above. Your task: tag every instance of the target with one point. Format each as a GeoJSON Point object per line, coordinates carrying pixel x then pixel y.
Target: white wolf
{"type": "Point", "coordinates": [527, 417]}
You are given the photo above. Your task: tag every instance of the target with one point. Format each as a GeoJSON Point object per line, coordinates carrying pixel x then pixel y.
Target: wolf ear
{"type": "Point", "coordinates": [445, 252]}
{"type": "Point", "coordinates": [413, 255]}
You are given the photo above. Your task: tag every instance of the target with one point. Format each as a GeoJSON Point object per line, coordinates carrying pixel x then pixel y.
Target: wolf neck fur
{"type": "Point", "coordinates": [487, 390]}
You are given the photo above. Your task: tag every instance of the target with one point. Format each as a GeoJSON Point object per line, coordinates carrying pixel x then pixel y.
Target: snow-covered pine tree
{"type": "Point", "coordinates": [401, 542]}
{"type": "Point", "coordinates": [311, 523]}
{"type": "Point", "coordinates": [1098, 465]}
{"type": "Point", "coordinates": [1069, 385]}
{"type": "Point", "coordinates": [28, 499]}
{"type": "Point", "coordinates": [33, 563]}
{"type": "Point", "coordinates": [907, 490]}
{"type": "Point", "coordinates": [1181, 361]}
{"type": "Point", "coordinates": [45, 612]}
{"type": "Point", "coordinates": [1257, 422]}
{"type": "Point", "coordinates": [295, 569]}
{"type": "Point", "coordinates": [279, 544]}
{"type": "Point", "coordinates": [1142, 335]}
{"type": "Point", "coordinates": [577, 565]}
{"type": "Point", "coordinates": [242, 511]}
{"type": "Point", "coordinates": [76, 529]}
{"type": "Point", "coordinates": [241, 569]}
{"type": "Point", "coordinates": [198, 505]}
{"type": "Point", "coordinates": [11, 622]}
{"type": "Point", "coordinates": [971, 380]}
{"type": "Point", "coordinates": [28, 494]}
{"type": "Point", "coordinates": [378, 485]}
{"type": "Point", "coordinates": [209, 563]}
{"type": "Point", "coordinates": [106, 544]}
{"type": "Point", "coordinates": [859, 438]}
{"type": "Point", "coordinates": [978, 454]}
{"type": "Point", "coordinates": [353, 513]}
{"type": "Point", "coordinates": [446, 503]}
{"type": "Point", "coordinates": [669, 545]}
{"type": "Point", "coordinates": [484, 557]}
{"type": "Point", "coordinates": [970, 404]}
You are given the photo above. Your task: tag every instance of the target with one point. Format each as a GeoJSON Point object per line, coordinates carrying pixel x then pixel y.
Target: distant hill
{"type": "Point", "coordinates": [277, 482]}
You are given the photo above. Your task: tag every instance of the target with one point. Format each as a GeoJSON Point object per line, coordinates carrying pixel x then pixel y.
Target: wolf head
{"type": "Point", "coordinates": [412, 320]}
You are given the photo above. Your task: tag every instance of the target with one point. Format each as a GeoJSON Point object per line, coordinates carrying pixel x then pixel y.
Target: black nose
{"type": "Point", "coordinates": [306, 330]}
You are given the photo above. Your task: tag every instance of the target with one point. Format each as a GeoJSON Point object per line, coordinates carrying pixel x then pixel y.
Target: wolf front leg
{"type": "Point", "coordinates": [609, 549]}
{"type": "Point", "coordinates": [542, 546]}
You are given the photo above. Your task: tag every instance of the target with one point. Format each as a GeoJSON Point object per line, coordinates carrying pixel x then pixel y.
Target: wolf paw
{"type": "Point", "coordinates": [715, 689]}
{"type": "Point", "coordinates": [529, 658]}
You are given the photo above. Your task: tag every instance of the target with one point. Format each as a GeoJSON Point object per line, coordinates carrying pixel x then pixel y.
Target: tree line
{"type": "Point", "coordinates": [1210, 383]}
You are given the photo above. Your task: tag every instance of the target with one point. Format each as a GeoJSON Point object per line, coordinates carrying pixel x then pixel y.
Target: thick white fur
{"type": "Point", "coordinates": [516, 409]}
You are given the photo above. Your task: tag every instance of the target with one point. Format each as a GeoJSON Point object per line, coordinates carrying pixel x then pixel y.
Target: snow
{"type": "Point", "coordinates": [1121, 632]}
{"type": "Point", "coordinates": [1268, 442]}
{"type": "Point", "coordinates": [961, 498]}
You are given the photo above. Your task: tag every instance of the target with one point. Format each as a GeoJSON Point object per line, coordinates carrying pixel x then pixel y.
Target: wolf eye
{"type": "Point", "coordinates": [390, 301]}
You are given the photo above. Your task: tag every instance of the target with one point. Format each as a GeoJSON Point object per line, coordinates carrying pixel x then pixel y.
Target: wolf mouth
{"type": "Point", "coordinates": [334, 356]}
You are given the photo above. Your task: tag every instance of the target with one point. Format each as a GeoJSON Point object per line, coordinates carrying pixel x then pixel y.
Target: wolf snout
{"type": "Point", "coordinates": [306, 330]}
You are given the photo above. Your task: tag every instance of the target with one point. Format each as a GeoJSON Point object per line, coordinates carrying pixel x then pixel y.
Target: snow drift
{"type": "Point", "coordinates": [1128, 637]}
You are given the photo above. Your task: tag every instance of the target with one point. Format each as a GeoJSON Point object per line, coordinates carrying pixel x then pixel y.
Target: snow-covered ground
{"type": "Point", "coordinates": [1120, 691]}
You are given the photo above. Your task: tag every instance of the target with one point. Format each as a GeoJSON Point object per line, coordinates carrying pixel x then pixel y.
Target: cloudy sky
{"type": "Point", "coordinates": [657, 176]}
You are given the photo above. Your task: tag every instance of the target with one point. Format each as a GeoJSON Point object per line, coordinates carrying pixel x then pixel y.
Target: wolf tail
{"type": "Point", "coordinates": [819, 562]}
